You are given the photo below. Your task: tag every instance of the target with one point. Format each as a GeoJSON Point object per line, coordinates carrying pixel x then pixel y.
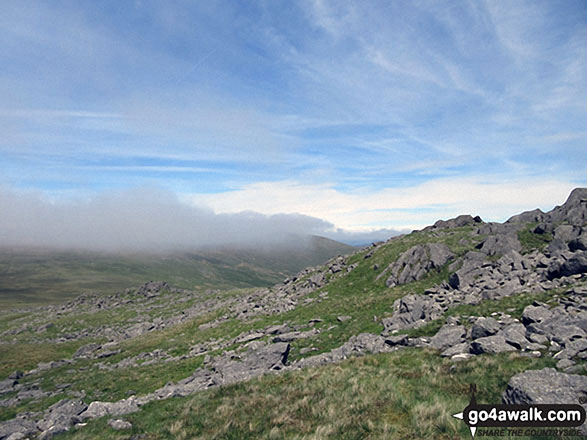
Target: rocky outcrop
{"type": "Point", "coordinates": [415, 263]}
{"type": "Point", "coordinates": [461, 220]}
{"type": "Point", "coordinates": [411, 311]}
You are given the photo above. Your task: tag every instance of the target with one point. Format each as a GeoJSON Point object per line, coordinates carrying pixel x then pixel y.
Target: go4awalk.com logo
{"type": "Point", "coordinates": [522, 420]}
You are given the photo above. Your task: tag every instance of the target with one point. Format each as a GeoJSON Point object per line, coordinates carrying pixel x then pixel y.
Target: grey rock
{"type": "Point", "coordinates": [576, 347]}
{"type": "Point", "coordinates": [119, 425]}
{"type": "Point", "coordinates": [532, 314]}
{"type": "Point", "coordinates": [501, 244]}
{"type": "Point", "coordinates": [447, 336]}
{"type": "Point", "coordinates": [343, 318]}
{"type": "Point", "coordinates": [18, 425]}
{"type": "Point", "coordinates": [484, 327]}
{"type": "Point", "coordinates": [491, 344]}
{"type": "Point", "coordinates": [573, 211]}
{"type": "Point", "coordinates": [259, 359]}
{"type": "Point", "coordinates": [461, 220]}
{"type": "Point", "coordinates": [546, 386]}
{"type": "Point", "coordinates": [292, 336]}
{"type": "Point", "coordinates": [461, 348]}
{"type": "Point", "coordinates": [536, 337]}
{"type": "Point", "coordinates": [563, 334]}
{"type": "Point", "coordinates": [7, 385]}
{"type": "Point", "coordinates": [579, 243]}
{"type": "Point", "coordinates": [415, 263]}
{"type": "Point", "coordinates": [100, 409]}
{"type": "Point", "coordinates": [461, 357]}
{"type": "Point", "coordinates": [515, 335]}
{"type": "Point", "coordinates": [411, 311]}
{"type": "Point", "coordinates": [564, 364]}
{"type": "Point", "coordinates": [534, 216]}
{"type": "Point", "coordinates": [86, 350]}
{"type": "Point", "coordinates": [576, 264]}
{"type": "Point", "coordinates": [61, 415]}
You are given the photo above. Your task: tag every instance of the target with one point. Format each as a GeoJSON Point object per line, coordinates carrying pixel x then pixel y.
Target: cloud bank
{"type": "Point", "coordinates": [144, 220]}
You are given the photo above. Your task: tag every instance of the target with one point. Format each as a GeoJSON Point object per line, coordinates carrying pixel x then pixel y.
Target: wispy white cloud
{"type": "Point", "coordinates": [404, 207]}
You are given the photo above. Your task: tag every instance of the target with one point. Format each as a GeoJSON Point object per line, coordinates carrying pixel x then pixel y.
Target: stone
{"type": "Point", "coordinates": [564, 363]}
{"type": "Point", "coordinates": [563, 334]}
{"type": "Point", "coordinates": [343, 318]}
{"type": "Point", "coordinates": [534, 216]}
{"type": "Point", "coordinates": [417, 262]}
{"type": "Point", "coordinates": [461, 348]}
{"type": "Point", "coordinates": [461, 220]}
{"type": "Point", "coordinates": [501, 244]}
{"type": "Point", "coordinates": [7, 385]}
{"type": "Point", "coordinates": [86, 350]}
{"type": "Point", "coordinates": [18, 425]}
{"type": "Point", "coordinates": [577, 264]}
{"type": "Point", "coordinates": [491, 344]}
{"type": "Point", "coordinates": [447, 336]}
{"type": "Point", "coordinates": [515, 335]}
{"type": "Point", "coordinates": [461, 357]}
{"type": "Point", "coordinates": [98, 409]}
{"type": "Point", "coordinates": [532, 314]}
{"type": "Point", "coordinates": [119, 425]}
{"type": "Point", "coordinates": [411, 311]}
{"type": "Point", "coordinates": [546, 386]}
{"type": "Point", "coordinates": [61, 415]}
{"type": "Point", "coordinates": [484, 327]}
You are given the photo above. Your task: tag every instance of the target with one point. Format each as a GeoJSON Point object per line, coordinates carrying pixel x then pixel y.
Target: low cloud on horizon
{"type": "Point", "coordinates": [147, 219]}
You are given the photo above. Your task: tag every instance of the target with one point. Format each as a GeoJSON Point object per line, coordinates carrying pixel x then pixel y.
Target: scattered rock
{"type": "Point", "coordinates": [119, 425]}
{"type": "Point", "coordinates": [484, 327]}
{"type": "Point", "coordinates": [448, 336]}
{"type": "Point", "coordinates": [491, 344]}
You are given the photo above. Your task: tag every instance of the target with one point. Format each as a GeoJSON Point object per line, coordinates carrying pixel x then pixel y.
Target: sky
{"type": "Point", "coordinates": [361, 117]}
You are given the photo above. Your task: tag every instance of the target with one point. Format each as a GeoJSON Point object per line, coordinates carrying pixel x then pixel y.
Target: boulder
{"type": "Point", "coordinates": [100, 409]}
{"type": "Point", "coordinates": [461, 220]}
{"type": "Point", "coordinates": [484, 327]}
{"type": "Point", "coordinates": [501, 244]}
{"type": "Point", "coordinates": [515, 335]}
{"type": "Point", "coordinates": [448, 336]}
{"type": "Point", "coordinates": [16, 426]}
{"type": "Point", "coordinates": [61, 415]}
{"type": "Point", "coordinates": [579, 243]}
{"type": "Point", "coordinates": [415, 263]}
{"type": "Point", "coordinates": [119, 425]}
{"type": "Point", "coordinates": [535, 314]}
{"type": "Point", "coordinates": [534, 216]}
{"type": "Point", "coordinates": [573, 211]}
{"type": "Point", "coordinates": [462, 348]}
{"type": "Point", "coordinates": [411, 311]}
{"type": "Point", "coordinates": [491, 344]}
{"type": "Point", "coordinates": [546, 386]}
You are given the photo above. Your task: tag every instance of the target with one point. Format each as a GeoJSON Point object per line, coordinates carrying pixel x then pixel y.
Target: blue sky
{"type": "Point", "coordinates": [368, 115]}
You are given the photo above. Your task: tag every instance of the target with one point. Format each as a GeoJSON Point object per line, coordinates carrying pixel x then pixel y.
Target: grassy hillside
{"type": "Point", "coordinates": [407, 394]}
{"type": "Point", "coordinates": [30, 277]}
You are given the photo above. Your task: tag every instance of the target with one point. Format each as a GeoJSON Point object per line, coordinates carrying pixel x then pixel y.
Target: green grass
{"type": "Point", "coordinates": [410, 394]}
{"type": "Point", "coordinates": [531, 241]}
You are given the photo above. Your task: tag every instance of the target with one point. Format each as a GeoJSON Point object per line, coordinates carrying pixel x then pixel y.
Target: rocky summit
{"type": "Point", "coordinates": [398, 330]}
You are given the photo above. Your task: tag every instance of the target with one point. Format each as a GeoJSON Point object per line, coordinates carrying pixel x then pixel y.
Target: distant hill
{"type": "Point", "coordinates": [36, 276]}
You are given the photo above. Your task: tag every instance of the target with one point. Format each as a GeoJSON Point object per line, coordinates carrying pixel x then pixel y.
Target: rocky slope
{"type": "Point", "coordinates": [461, 288]}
